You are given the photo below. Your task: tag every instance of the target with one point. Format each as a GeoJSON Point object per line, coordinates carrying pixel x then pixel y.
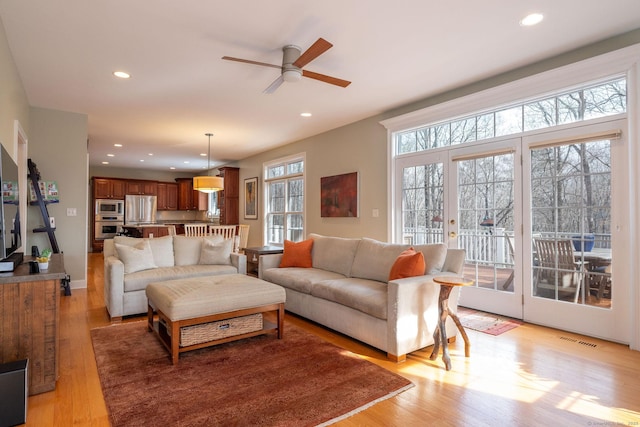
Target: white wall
{"type": "Point", "coordinates": [359, 147]}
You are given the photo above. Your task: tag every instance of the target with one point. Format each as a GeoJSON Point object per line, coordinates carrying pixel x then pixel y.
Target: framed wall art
{"type": "Point", "coordinates": [251, 198]}
{"type": "Point", "coordinates": [339, 195]}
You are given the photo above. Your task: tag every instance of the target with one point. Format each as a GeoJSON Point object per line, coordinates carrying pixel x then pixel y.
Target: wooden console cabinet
{"type": "Point", "coordinates": [30, 321]}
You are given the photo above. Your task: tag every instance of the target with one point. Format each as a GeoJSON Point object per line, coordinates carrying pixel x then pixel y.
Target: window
{"type": "Point", "coordinates": [588, 102]}
{"type": "Point", "coordinates": [284, 194]}
{"type": "Point", "coordinates": [213, 211]}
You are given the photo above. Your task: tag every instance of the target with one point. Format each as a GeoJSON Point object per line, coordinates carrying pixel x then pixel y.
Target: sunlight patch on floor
{"type": "Point", "coordinates": [580, 404]}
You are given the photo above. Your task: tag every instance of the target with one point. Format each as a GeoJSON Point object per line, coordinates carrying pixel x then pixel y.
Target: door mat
{"type": "Point", "coordinates": [487, 323]}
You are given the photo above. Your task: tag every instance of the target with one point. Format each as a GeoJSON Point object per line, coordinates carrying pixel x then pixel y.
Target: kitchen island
{"type": "Point", "coordinates": [159, 229]}
{"type": "Point", "coordinates": [146, 230]}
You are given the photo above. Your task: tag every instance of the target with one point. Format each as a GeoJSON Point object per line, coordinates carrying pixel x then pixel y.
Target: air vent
{"type": "Point", "coordinates": [588, 344]}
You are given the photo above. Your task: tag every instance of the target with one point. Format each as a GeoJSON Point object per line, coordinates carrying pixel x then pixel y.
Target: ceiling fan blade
{"type": "Point", "coordinates": [247, 61]}
{"type": "Point", "coordinates": [326, 79]}
{"type": "Point", "coordinates": [316, 49]}
{"type": "Point", "coordinates": [273, 86]}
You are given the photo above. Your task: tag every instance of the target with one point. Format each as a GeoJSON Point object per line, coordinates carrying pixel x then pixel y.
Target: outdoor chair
{"type": "Point", "coordinates": [558, 267]}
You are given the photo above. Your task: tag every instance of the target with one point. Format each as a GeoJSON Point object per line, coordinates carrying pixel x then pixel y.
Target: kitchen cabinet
{"type": "Point", "coordinates": [142, 188]}
{"type": "Point", "coordinates": [190, 199]}
{"type": "Point", "coordinates": [167, 196]}
{"type": "Point", "coordinates": [108, 188]}
{"type": "Point", "coordinates": [229, 198]}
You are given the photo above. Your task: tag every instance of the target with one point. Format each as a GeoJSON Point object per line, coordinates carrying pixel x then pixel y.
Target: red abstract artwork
{"type": "Point", "coordinates": [339, 195]}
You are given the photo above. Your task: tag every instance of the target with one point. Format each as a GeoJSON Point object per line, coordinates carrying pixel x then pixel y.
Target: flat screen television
{"type": "Point", "coordinates": [9, 208]}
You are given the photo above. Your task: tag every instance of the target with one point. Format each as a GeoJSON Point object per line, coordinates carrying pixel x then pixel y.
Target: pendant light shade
{"type": "Point", "coordinates": [206, 183]}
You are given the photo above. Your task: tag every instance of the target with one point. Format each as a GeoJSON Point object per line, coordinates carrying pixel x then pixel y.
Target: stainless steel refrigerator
{"type": "Point", "coordinates": [140, 209]}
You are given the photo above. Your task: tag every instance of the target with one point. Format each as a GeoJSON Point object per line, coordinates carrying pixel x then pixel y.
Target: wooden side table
{"type": "Point", "coordinates": [253, 257]}
{"type": "Point", "coordinates": [447, 283]}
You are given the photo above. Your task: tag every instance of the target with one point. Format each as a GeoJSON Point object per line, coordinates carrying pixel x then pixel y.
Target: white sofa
{"type": "Point", "coordinates": [347, 289]}
{"type": "Point", "coordinates": [130, 264]}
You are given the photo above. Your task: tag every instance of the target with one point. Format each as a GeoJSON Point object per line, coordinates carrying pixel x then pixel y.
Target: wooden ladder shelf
{"type": "Point", "coordinates": [34, 176]}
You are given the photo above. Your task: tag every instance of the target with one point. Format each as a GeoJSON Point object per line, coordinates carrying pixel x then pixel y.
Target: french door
{"type": "Point", "coordinates": [465, 197]}
{"type": "Point", "coordinates": [501, 200]}
{"type": "Point", "coordinates": [485, 201]}
{"type": "Point", "coordinates": [576, 273]}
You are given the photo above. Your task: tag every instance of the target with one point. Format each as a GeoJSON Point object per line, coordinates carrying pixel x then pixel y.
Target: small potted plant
{"type": "Point", "coordinates": [43, 259]}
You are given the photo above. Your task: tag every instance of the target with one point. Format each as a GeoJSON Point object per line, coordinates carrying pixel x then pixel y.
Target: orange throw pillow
{"type": "Point", "coordinates": [408, 264]}
{"type": "Point", "coordinates": [297, 254]}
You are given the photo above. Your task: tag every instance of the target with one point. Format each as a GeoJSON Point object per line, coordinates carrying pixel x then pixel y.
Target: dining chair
{"type": "Point", "coordinates": [242, 238]}
{"type": "Point", "coordinates": [196, 230]}
{"type": "Point", "coordinates": [226, 231]}
{"type": "Point", "coordinates": [558, 267]}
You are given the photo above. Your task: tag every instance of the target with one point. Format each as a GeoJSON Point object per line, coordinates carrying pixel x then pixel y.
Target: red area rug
{"type": "Point", "coordinates": [299, 380]}
{"type": "Point", "coordinates": [488, 323]}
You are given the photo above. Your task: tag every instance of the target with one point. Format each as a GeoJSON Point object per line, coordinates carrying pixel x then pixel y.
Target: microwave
{"type": "Point", "coordinates": [110, 207]}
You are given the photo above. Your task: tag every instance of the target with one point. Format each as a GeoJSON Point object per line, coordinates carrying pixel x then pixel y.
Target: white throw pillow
{"type": "Point", "coordinates": [136, 258]}
{"type": "Point", "coordinates": [162, 249]}
{"type": "Point", "coordinates": [187, 249]}
{"type": "Point", "coordinates": [216, 253]}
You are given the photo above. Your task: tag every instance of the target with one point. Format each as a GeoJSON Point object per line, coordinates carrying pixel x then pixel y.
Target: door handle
{"type": "Point", "coordinates": [453, 234]}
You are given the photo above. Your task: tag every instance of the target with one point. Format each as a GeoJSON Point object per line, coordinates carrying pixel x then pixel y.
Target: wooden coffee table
{"type": "Point", "coordinates": [447, 283]}
{"type": "Point", "coordinates": [204, 300]}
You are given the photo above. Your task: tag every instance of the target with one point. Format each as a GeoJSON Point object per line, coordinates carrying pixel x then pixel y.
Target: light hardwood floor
{"type": "Point", "coordinates": [529, 376]}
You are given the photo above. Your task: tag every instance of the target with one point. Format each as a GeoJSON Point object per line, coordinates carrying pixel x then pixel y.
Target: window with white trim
{"type": "Point", "coordinates": [591, 101]}
{"type": "Point", "coordinates": [284, 196]}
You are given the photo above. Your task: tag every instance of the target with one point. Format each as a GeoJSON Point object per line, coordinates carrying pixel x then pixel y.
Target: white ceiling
{"type": "Point", "coordinates": [393, 52]}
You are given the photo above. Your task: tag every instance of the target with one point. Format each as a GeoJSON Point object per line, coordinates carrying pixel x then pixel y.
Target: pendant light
{"type": "Point", "coordinates": [206, 183]}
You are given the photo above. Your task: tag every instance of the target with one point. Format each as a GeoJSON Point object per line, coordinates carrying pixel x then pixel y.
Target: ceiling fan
{"type": "Point", "coordinates": [292, 62]}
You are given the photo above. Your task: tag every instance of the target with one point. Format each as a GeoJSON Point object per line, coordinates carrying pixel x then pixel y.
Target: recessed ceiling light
{"type": "Point", "coordinates": [203, 154]}
{"type": "Point", "coordinates": [305, 114]}
{"type": "Point", "coordinates": [172, 167]}
{"type": "Point", "coordinates": [186, 162]}
{"type": "Point", "coordinates": [105, 163]}
{"type": "Point", "coordinates": [121, 74]}
{"type": "Point", "coordinates": [117, 145]}
{"type": "Point", "coordinates": [151, 154]}
{"type": "Point", "coordinates": [110, 155]}
{"type": "Point", "coordinates": [531, 19]}
{"type": "Point", "coordinates": [141, 160]}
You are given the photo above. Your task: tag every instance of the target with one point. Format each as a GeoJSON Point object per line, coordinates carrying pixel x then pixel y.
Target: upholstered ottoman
{"type": "Point", "coordinates": [217, 308]}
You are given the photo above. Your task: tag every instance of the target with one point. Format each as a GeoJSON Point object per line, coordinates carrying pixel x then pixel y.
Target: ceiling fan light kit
{"type": "Point", "coordinates": [206, 183]}
{"type": "Point", "coordinates": [292, 75]}
{"type": "Point", "coordinates": [292, 63]}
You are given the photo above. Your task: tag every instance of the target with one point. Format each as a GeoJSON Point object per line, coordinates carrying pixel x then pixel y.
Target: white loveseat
{"type": "Point", "coordinates": [347, 289]}
{"type": "Point", "coordinates": [130, 264]}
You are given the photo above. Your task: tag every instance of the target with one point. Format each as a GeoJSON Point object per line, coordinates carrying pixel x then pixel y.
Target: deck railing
{"type": "Point", "coordinates": [490, 246]}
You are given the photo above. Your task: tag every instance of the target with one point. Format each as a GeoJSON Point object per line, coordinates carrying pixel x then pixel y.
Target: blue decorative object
{"type": "Point", "coordinates": [587, 241]}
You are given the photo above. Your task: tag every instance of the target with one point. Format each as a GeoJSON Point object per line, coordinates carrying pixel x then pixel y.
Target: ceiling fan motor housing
{"type": "Point", "coordinates": [291, 73]}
